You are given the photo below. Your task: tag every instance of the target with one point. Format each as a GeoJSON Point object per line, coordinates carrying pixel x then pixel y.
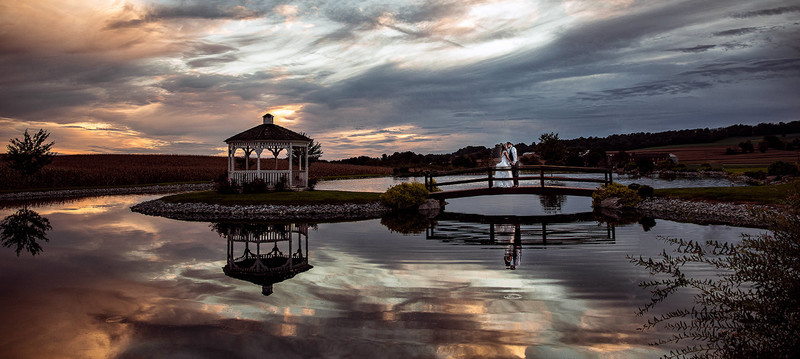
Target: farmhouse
{"type": "Point", "coordinates": [274, 139]}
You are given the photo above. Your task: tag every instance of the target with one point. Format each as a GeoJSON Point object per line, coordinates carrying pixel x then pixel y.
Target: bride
{"type": "Point", "coordinates": [503, 171]}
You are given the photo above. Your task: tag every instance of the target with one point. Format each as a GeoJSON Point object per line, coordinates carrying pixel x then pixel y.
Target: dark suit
{"type": "Point", "coordinates": [512, 152]}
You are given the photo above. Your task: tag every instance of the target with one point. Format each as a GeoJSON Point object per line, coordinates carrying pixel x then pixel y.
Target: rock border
{"type": "Point", "coordinates": [267, 212]}
{"type": "Point", "coordinates": [705, 212]}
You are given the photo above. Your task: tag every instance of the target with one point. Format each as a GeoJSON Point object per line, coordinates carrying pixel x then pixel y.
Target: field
{"type": "Point", "coordinates": [72, 171]}
{"type": "Point", "coordinates": [714, 153]}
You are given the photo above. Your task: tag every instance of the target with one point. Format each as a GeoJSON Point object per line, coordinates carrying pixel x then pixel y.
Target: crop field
{"type": "Point", "coordinates": [72, 171]}
{"type": "Point", "coordinates": [715, 155]}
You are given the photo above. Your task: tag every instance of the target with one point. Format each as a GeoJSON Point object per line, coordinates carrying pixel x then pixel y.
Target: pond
{"type": "Point", "coordinates": [113, 283]}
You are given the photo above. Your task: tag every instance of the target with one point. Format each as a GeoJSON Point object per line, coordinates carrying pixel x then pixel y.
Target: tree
{"type": "Point", "coordinates": [23, 229]}
{"type": "Point", "coordinates": [29, 155]}
{"type": "Point", "coordinates": [550, 148]}
{"type": "Point", "coordinates": [750, 309]}
{"type": "Point", "coordinates": [595, 157]}
{"type": "Point", "coordinates": [314, 149]}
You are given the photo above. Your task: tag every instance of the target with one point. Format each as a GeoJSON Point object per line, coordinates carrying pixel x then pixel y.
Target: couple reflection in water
{"type": "Point", "coordinates": [512, 257]}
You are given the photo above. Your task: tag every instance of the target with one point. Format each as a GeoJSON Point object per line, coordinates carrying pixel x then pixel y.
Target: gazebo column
{"type": "Point", "coordinates": [258, 162]}
{"type": "Point", "coordinates": [230, 154]}
{"type": "Point", "coordinates": [291, 171]}
{"type": "Point", "coordinates": [307, 166]}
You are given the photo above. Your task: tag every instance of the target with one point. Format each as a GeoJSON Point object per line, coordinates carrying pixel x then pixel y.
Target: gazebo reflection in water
{"type": "Point", "coordinates": [265, 253]}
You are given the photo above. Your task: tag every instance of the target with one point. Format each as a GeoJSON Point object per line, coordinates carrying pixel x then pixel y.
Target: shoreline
{"type": "Point", "coordinates": [679, 210]}
{"type": "Point", "coordinates": [266, 212]}
{"type": "Point", "coordinates": [706, 212]}
{"type": "Point", "coordinates": [110, 191]}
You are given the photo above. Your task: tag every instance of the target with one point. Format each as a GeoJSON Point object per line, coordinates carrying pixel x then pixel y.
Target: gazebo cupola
{"type": "Point", "coordinates": [275, 139]}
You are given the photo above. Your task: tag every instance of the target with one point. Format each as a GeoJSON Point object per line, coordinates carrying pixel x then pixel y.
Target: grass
{"type": "Point", "coordinates": [282, 198]}
{"type": "Point", "coordinates": [741, 170]}
{"type": "Point", "coordinates": [772, 194]}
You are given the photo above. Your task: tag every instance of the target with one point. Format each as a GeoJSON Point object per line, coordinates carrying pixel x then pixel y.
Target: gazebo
{"type": "Point", "coordinates": [273, 138]}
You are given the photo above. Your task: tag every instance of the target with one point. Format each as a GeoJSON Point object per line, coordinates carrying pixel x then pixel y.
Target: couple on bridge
{"type": "Point", "coordinates": [508, 167]}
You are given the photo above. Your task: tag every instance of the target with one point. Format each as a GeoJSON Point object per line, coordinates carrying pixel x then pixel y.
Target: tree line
{"type": "Point", "coordinates": [590, 151]}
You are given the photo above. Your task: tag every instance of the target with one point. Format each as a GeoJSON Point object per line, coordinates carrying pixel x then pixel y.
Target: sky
{"type": "Point", "coordinates": [374, 77]}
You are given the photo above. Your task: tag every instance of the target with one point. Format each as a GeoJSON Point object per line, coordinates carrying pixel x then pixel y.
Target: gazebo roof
{"type": "Point", "coordinates": [268, 132]}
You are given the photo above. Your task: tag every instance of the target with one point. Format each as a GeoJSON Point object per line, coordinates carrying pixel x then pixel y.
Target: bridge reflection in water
{"type": "Point", "coordinates": [265, 253]}
{"type": "Point", "coordinates": [516, 231]}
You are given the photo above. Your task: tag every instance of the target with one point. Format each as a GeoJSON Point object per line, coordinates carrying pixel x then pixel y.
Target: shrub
{"type": "Point", "coordinates": [645, 191]}
{"type": "Point", "coordinates": [781, 168]}
{"type": "Point", "coordinates": [628, 197]}
{"type": "Point", "coordinates": [255, 186]}
{"type": "Point", "coordinates": [760, 175]}
{"type": "Point", "coordinates": [645, 165]}
{"type": "Point", "coordinates": [225, 186]}
{"type": "Point", "coordinates": [282, 184]}
{"type": "Point", "coordinates": [312, 182]}
{"type": "Point", "coordinates": [405, 196]}
{"type": "Point", "coordinates": [642, 190]}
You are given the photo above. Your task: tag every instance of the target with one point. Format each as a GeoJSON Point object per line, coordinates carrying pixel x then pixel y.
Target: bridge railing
{"type": "Point", "coordinates": [535, 172]}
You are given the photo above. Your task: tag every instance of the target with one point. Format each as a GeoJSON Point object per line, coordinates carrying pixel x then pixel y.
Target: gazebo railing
{"type": "Point", "coordinates": [270, 177]}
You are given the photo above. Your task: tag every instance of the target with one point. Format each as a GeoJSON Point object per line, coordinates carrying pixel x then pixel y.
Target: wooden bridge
{"type": "Point", "coordinates": [547, 180]}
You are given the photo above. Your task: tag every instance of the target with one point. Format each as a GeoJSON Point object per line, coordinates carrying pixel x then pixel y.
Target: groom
{"type": "Point", "coordinates": [512, 152]}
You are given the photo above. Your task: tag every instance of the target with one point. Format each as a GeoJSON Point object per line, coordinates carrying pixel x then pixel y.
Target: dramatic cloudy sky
{"type": "Point", "coordinates": [373, 77]}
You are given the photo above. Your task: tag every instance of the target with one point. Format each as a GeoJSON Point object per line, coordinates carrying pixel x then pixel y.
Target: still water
{"type": "Point", "coordinates": [113, 283]}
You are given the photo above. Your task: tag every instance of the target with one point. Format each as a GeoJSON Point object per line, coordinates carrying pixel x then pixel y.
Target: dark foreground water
{"type": "Point", "coordinates": [112, 283]}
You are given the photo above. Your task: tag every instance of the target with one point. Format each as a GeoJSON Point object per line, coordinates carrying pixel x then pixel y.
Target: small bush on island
{"type": "Point", "coordinates": [642, 190]}
{"type": "Point", "coordinates": [405, 196]}
{"type": "Point", "coordinates": [628, 198]}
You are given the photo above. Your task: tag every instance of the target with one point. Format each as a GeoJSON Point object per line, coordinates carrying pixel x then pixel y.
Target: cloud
{"type": "Point", "coordinates": [463, 73]}
{"type": "Point", "coordinates": [736, 32]}
{"type": "Point", "coordinates": [698, 48]}
{"type": "Point", "coordinates": [767, 12]}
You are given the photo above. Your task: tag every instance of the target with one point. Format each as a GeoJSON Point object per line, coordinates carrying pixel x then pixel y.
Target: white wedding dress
{"type": "Point", "coordinates": [503, 171]}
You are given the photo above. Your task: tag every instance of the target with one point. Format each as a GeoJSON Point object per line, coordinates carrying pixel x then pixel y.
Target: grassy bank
{"type": "Point", "coordinates": [773, 194]}
{"type": "Point", "coordinates": [283, 198]}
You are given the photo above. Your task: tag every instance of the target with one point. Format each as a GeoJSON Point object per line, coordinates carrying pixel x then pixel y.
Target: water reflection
{"type": "Point", "coordinates": [23, 230]}
{"type": "Point", "coordinates": [749, 308]}
{"type": "Point", "coordinates": [558, 229]}
{"type": "Point", "coordinates": [552, 203]}
{"type": "Point", "coordinates": [115, 283]}
{"type": "Point", "coordinates": [260, 263]}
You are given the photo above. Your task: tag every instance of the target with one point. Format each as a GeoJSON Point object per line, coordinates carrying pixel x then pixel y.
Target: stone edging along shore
{"type": "Point", "coordinates": [703, 212]}
{"type": "Point", "coordinates": [216, 212]}
{"type": "Point", "coordinates": [700, 212]}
